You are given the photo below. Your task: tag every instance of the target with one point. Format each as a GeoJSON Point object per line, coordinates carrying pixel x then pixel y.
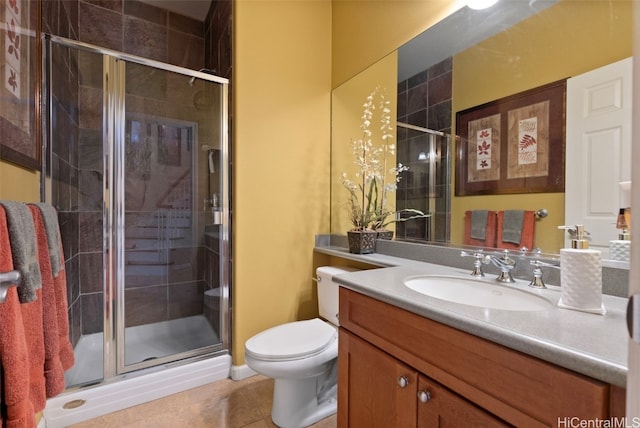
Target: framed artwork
{"type": "Point", "coordinates": [513, 145]}
{"type": "Point", "coordinates": [20, 92]}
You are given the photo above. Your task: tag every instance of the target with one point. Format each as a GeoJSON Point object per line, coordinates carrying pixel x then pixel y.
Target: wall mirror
{"type": "Point", "coordinates": [476, 57]}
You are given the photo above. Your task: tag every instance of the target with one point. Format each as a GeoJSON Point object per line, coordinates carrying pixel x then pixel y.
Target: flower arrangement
{"type": "Point", "coordinates": [369, 191]}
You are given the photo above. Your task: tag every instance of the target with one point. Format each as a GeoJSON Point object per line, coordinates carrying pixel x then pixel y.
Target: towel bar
{"type": "Point", "coordinates": [541, 213]}
{"type": "Point", "coordinates": [8, 279]}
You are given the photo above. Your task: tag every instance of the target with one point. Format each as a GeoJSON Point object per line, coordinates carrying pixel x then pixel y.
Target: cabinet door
{"type": "Point", "coordinates": [374, 389]}
{"type": "Point", "coordinates": [442, 408]}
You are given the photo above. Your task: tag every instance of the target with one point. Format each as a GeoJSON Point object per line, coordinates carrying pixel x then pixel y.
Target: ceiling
{"type": "Point", "coordinates": [196, 9]}
{"type": "Point", "coordinates": [454, 34]}
{"type": "Point", "coordinates": [459, 31]}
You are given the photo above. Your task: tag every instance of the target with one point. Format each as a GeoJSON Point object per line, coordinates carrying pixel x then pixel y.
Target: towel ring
{"type": "Point", "coordinates": [8, 279]}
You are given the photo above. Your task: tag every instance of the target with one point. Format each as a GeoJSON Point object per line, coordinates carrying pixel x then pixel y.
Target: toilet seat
{"type": "Point", "coordinates": [291, 341]}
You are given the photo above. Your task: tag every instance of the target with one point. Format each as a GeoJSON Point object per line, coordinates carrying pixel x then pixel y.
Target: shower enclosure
{"type": "Point", "coordinates": [425, 186]}
{"type": "Point", "coordinates": [136, 164]}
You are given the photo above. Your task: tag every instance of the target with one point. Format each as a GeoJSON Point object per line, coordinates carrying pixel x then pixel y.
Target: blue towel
{"type": "Point", "coordinates": [22, 238]}
{"type": "Point", "coordinates": [479, 224]}
{"type": "Point", "coordinates": [512, 222]}
{"type": "Point", "coordinates": [52, 229]}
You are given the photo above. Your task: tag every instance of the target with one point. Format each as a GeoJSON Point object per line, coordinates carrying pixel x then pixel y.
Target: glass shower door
{"type": "Point", "coordinates": [171, 196]}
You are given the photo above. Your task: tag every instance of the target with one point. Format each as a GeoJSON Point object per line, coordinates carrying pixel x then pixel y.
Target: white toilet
{"type": "Point", "coordinates": [302, 358]}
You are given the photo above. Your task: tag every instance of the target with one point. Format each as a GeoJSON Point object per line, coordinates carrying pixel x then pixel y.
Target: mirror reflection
{"type": "Point", "coordinates": [469, 59]}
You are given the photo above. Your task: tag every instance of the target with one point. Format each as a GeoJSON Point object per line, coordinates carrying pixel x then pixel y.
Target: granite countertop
{"type": "Point", "coordinates": [590, 344]}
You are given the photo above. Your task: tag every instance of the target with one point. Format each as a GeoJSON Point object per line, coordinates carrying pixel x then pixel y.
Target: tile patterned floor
{"type": "Point", "coordinates": [222, 404]}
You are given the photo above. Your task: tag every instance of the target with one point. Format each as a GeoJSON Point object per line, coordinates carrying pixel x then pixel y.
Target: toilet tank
{"type": "Point", "coordinates": [328, 291]}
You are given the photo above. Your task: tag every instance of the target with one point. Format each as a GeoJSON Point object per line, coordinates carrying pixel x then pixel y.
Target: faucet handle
{"type": "Point", "coordinates": [505, 255]}
{"type": "Point", "coordinates": [505, 264]}
{"type": "Point", "coordinates": [479, 258]}
{"type": "Point", "coordinates": [477, 253]}
{"type": "Point", "coordinates": [537, 281]}
{"type": "Point", "coordinates": [535, 252]}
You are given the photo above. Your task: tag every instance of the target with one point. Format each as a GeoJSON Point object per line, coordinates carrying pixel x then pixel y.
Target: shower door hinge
{"type": "Point", "coordinates": [633, 320]}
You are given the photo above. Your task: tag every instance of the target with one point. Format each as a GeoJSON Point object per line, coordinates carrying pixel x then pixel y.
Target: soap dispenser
{"type": "Point", "coordinates": [620, 249]}
{"type": "Point", "coordinates": [580, 274]}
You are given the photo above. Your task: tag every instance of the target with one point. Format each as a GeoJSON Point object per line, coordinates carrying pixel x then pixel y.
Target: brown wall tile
{"type": "Point", "coordinates": [114, 5]}
{"type": "Point", "coordinates": [440, 89]}
{"type": "Point", "coordinates": [145, 305]}
{"type": "Point", "coordinates": [100, 27]}
{"type": "Point", "coordinates": [91, 270]}
{"type": "Point", "coordinates": [92, 310]}
{"type": "Point", "coordinates": [185, 299]}
{"type": "Point", "coordinates": [185, 50]}
{"type": "Point", "coordinates": [146, 12]}
{"type": "Point", "coordinates": [145, 39]}
{"type": "Point", "coordinates": [185, 24]}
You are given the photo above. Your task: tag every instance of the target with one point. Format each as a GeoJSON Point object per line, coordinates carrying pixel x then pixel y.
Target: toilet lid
{"type": "Point", "coordinates": [291, 340]}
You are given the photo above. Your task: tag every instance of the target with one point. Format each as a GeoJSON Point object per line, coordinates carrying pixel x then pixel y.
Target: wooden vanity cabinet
{"type": "Point", "coordinates": [374, 396]}
{"type": "Point", "coordinates": [440, 407]}
{"type": "Point", "coordinates": [383, 392]}
{"type": "Point", "coordinates": [398, 369]}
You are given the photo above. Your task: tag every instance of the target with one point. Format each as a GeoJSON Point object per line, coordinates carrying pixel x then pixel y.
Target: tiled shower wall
{"type": "Point", "coordinates": [424, 100]}
{"type": "Point", "coordinates": [217, 38]}
{"type": "Point", "coordinates": [131, 27]}
{"type": "Point", "coordinates": [217, 54]}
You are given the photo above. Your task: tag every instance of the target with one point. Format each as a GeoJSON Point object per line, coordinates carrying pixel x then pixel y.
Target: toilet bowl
{"type": "Point", "coordinates": [302, 358]}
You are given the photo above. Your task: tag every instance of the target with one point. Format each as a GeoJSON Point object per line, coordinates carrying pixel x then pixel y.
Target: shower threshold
{"type": "Point", "coordinates": [128, 392]}
{"type": "Point", "coordinates": [142, 343]}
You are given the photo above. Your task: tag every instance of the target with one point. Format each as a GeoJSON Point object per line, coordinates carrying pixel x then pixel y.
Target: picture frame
{"type": "Point", "coordinates": [515, 144]}
{"type": "Point", "coordinates": [20, 93]}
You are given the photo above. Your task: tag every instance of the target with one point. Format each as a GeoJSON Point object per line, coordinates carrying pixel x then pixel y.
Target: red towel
{"type": "Point", "coordinates": [14, 354]}
{"type": "Point", "coordinates": [526, 236]}
{"type": "Point", "coordinates": [52, 230]}
{"type": "Point", "coordinates": [32, 322]}
{"type": "Point", "coordinates": [67, 357]}
{"type": "Point", "coordinates": [490, 231]}
{"type": "Point", "coordinates": [53, 370]}
{"type": "Point", "coordinates": [49, 217]}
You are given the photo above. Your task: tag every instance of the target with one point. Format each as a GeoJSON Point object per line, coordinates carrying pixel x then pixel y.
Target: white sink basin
{"type": "Point", "coordinates": [473, 292]}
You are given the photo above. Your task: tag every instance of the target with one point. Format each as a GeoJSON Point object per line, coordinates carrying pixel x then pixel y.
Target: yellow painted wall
{"type": "Point", "coordinates": [18, 184]}
{"type": "Point", "coordinates": [570, 38]}
{"type": "Point", "coordinates": [346, 112]}
{"type": "Point", "coordinates": [281, 160]}
{"type": "Point", "coordinates": [366, 30]}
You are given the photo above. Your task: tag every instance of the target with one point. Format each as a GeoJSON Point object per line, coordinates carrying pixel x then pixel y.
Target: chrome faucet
{"type": "Point", "coordinates": [537, 281]}
{"type": "Point", "coordinates": [480, 258]}
{"type": "Point", "coordinates": [505, 264]}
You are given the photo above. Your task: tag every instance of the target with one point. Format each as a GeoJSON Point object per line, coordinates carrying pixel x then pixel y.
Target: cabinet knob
{"type": "Point", "coordinates": [403, 381]}
{"type": "Point", "coordinates": [424, 396]}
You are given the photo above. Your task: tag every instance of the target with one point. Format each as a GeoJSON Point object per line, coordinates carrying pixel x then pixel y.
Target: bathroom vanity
{"type": "Point", "coordinates": [406, 359]}
{"type": "Point", "coordinates": [417, 372]}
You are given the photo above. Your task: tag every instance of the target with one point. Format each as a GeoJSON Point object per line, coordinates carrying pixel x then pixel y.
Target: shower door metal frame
{"type": "Point", "coordinates": [114, 116]}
